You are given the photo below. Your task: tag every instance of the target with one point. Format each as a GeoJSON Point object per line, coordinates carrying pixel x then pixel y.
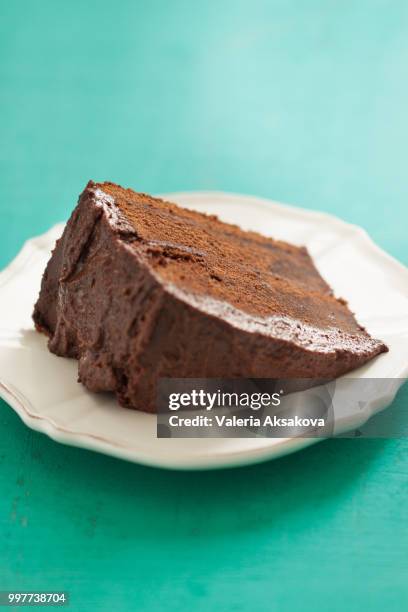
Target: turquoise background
{"type": "Point", "coordinates": [301, 101]}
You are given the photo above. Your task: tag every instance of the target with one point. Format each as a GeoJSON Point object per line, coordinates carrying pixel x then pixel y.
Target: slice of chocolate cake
{"type": "Point", "coordinates": [138, 289]}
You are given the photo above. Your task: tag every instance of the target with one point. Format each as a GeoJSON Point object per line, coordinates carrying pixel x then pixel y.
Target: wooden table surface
{"type": "Point", "coordinates": [303, 102]}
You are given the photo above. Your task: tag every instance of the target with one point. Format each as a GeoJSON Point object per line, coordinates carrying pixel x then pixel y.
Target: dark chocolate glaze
{"type": "Point", "coordinates": [109, 299]}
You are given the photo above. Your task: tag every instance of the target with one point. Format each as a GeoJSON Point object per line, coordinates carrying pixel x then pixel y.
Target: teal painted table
{"type": "Point", "coordinates": [304, 102]}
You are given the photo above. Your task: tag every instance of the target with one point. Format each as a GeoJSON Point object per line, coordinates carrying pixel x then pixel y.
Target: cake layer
{"type": "Point", "coordinates": [138, 289]}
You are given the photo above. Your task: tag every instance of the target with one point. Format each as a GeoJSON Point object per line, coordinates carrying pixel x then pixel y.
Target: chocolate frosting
{"type": "Point", "coordinates": [138, 288]}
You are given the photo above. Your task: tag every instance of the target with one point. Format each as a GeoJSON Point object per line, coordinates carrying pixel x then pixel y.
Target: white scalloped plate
{"type": "Point", "coordinates": [43, 388]}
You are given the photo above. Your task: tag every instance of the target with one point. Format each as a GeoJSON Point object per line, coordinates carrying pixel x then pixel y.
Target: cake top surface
{"type": "Point", "coordinates": [201, 255]}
